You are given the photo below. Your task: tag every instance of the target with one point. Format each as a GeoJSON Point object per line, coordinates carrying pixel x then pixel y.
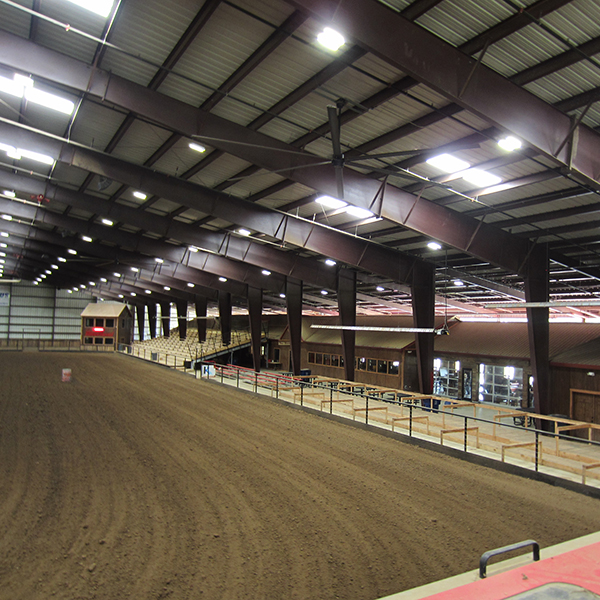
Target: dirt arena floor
{"type": "Point", "coordinates": [134, 481]}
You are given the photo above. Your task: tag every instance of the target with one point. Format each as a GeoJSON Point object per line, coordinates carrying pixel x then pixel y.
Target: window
{"type": "Point", "coordinates": [88, 340]}
{"type": "Point", "coordinates": [109, 341]}
{"type": "Point", "coordinates": [110, 322]}
{"type": "Point", "coordinates": [335, 360]}
{"type": "Point", "coordinates": [89, 322]}
{"type": "Point", "coordinates": [445, 377]}
{"type": "Point", "coordinates": [382, 366]}
{"type": "Point", "coordinates": [319, 358]}
{"type": "Point", "coordinates": [311, 357]}
{"type": "Point", "coordinates": [99, 322]}
{"type": "Point", "coordinates": [342, 362]}
{"type": "Point", "coordinates": [98, 341]}
{"type": "Point", "coordinates": [123, 323]}
{"type": "Point", "coordinates": [362, 364]}
{"type": "Point", "coordinates": [394, 367]}
{"type": "Point", "coordinates": [327, 359]}
{"type": "Point", "coordinates": [371, 365]}
{"type": "Point", "coordinates": [500, 384]}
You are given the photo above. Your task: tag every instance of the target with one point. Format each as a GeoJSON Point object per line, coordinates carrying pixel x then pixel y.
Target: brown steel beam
{"type": "Point", "coordinates": [165, 318]}
{"type": "Point", "coordinates": [346, 292]}
{"type": "Point", "coordinates": [140, 314]}
{"type": "Point", "coordinates": [182, 318]}
{"type": "Point", "coordinates": [255, 318]}
{"type": "Point", "coordinates": [293, 300]}
{"type": "Point", "coordinates": [423, 305]}
{"type": "Point", "coordinates": [152, 319]}
{"type": "Point", "coordinates": [447, 69]}
{"type": "Point", "coordinates": [225, 317]}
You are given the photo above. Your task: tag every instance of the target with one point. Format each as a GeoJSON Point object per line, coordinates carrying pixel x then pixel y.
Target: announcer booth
{"type": "Point", "coordinates": [106, 325]}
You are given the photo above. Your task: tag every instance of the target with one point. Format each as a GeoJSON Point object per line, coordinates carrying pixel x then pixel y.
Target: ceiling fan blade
{"type": "Point", "coordinates": [388, 329]}
{"type": "Point", "coordinates": [334, 124]}
{"type": "Point", "coordinates": [432, 151]}
{"type": "Point", "coordinates": [339, 178]}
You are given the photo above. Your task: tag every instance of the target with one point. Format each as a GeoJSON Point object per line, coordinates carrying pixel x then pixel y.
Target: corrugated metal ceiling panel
{"type": "Point", "coordinates": [140, 142]}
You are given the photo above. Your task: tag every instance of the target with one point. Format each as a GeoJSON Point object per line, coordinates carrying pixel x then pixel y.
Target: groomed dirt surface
{"type": "Point", "coordinates": [134, 481]}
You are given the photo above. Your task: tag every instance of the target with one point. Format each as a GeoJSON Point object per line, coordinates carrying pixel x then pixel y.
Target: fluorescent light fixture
{"type": "Point", "coordinates": [448, 163]}
{"type": "Point", "coordinates": [266, 272]}
{"type": "Point", "coordinates": [103, 280]}
{"type": "Point", "coordinates": [135, 269]}
{"type": "Point", "coordinates": [4, 234]}
{"type": "Point", "coordinates": [140, 195]}
{"type": "Point", "coordinates": [7, 217]}
{"type": "Point", "coordinates": [71, 251]}
{"type": "Point", "coordinates": [510, 143]}
{"type": "Point", "coordinates": [19, 153]}
{"type": "Point", "coordinates": [48, 272]}
{"type": "Point", "coordinates": [2, 254]}
{"type": "Point", "coordinates": [324, 292]}
{"type": "Point", "coordinates": [43, 275]}
{"type": "Point", "coordinates": [458, 283]}
{"type": "Point", "coordinates": [61, 259]}
{"type": "Point", "coordinates": [133, 294]}
{"type": "Point", "coordinates": [54, 266]}
{"type": "Point", "coordinates": [107, 222]}
{"type": "Point", "coordinates": [282, 295]}
{"type": "Point", "coordinates": [92, 283]}
{"type": "Point", "coordinates": [121, 296]}
{"type": "Point", "coordinates": [117, 274]}
{"type": "Point", "coordinates": [191, 285]}
{"type": "Point", "coordinates": [380, 288]}
{"type": "Point", "coordinates": [86, 238]}
{"type": "Point", "coordinates": [193, 249]}
{"type": "Point", "coordinates": [35, 283]}
{"type": "Point", "coordinates": [21, 86]}
{"type": "Point", "coordinates": [434, 246]}
{"type": "Point", "coordinates": [330, 262]}
{"type": "Point", "coordinates": [160, 261]}
{"type": "Point", "coordinates": [99, 7]}
{"type": "Point", "coordinates": [3, 245]}
{"type": "Point", "coordinates": [69, 291]}
{"type": "Point", "coordinates": [331, 39]}
{"type": "Point", "coordinates": [243, 231]}
{"type": "Point", "coordinates": [148, 291]}
{"type": "Point", "coordinates": [82, 286]}
{"type": "Point", "coordinates": [167, 288]}
{"type": "Point", "coordinates": [10, 194]}
{"type": "Point", "coordinates": [481, 178]}
{"type": "Point", "coordinates": [2, 261]}
{"type": "Point", "coordinates": [359, 213]}
{"type": "Point", "coordinates": [223, 279]}
{"type": "Point", "coordinates": [197, 147]}
{"type": "Point", "coordinates": [331, 202]}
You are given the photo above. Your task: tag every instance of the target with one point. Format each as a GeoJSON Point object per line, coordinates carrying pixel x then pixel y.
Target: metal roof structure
{"type": "Point", "coordinates": [111, 195]}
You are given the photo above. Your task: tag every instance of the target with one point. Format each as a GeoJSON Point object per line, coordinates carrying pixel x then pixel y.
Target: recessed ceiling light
{"type": "Point", "coordinates": [99, 7]}
{"type": "Point", "coordinates": [434, 246]}
{"type": "Point", "coordinates": [481, 178]}
{"type": "Point", "coordinates": [197, 147]}
{"type": "Point", "coordinates": [2, 253]}
{"type": "Point", "coordinates": [331, 202]}
{"type": "Point", "coordinates": [330, 262]}
{"type": "Point", "coordinates": [265, 272]}
{"type": "Point", "coordinates": [331, 39]}
{"type": "Point", "coordinates": [140, 195]}
{"type": "Point", "coordinates": [510, 143]}
{"type": "Point", "coordinates": [69, 291]}
{"type": "Point", "coordinates": [359, 213]}
{"type": "Point", "coordinates": [448, 163]}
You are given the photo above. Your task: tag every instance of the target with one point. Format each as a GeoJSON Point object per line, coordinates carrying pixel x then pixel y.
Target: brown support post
{"type": "Point", "coordinates": [225, 316]}
{"type": "Point", "coordinates": [201, 307]}
{"type": "Point", "coordinates": [140, 311]}
{"type": "Point", "coordinates": [537, 290]}
{"type": "Point", "coordinates": [181, 318]}
{"type": "Point", "coordinates": [165, 318]}
{"type": "Point", "coordinates": [423, 304]}
{"type": "Point", "coordinates": [347, 307]}
{"type": "Point", "coordinates": [255, 313]}
{"type": "Point", "coordinates": [152, 320]}
{"type": "Point", "coordinates": [293, 297]}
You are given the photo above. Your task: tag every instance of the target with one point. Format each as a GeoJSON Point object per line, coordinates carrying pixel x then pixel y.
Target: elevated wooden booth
{"type": "Point", "coordinates": [106, 325]}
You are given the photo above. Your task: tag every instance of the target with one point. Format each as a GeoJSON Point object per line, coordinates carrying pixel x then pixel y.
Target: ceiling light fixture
{"type": "Point", "coordinates": [54, 266]}
{"type": "Point", "coordinates": [61, 259]}
{"type": "Point", "coordinates": [458, 283]}
{"type": "Point", "coordinates": [510, 143]}
{"type": "Point", "coordinates": [331, 39]}
{"type": "Point", "coordinates": [71, 251]}
{"type": "Point", "coordinates": [448, 163]}
{"type": "Point", "coordinates": [481, 178]}
{"type": "Point", "coordinates": [9, 194]}
{"type": "Point", "coordinates": [86, 238]}
{"type": "Point", "coordinates": [282, 295]}
{"type": "Point", "coordinates": [160, 261]}
{"type": "Point", "coordinates": [99, 7]}
{"type": "Point", "coordinates": [331, 202]}
{"type": "Point", "coordinates": [148, 291]}
{"type": "Point", "coordinates": [19, 153]}
{"type": "Point", "coordinates": [191, 285]}
{"type": "Point", "coordinates": [7, 217]}
{"type": "Point", "coordinates": [103, 280]}
{"type": "Point", "coordinates": [23, 87]}
{"type": "Point", "coordinates": [135, 269]}
{"type": "Point", "coordinates": [107, 222]}
{"type": "Point", "coordinates": [193, 249]}
{"type": "Point", "coordinates": [434, 246]}
{"type": "Point", "coordinates": [330, 262]}
{"type": "Point", "coordinates": [117, 274]}
{"type": "Point", "coordinates": [223, 279]}
{"type": "Point", "coordinates": [359, 213]}
{"type": "Point", "coordinates": [197, 147]}
{"type": "Point", "coordinates": [324, 292]}
{"type": "Point", "coordinates": [166, 288]}
{"type": "Point", "coordinates": [244, 232]}
{"type": "Point", "coordinates": [380, 288]}
{"type": "Point", "coordinates": [266, 272]}
{"type": "Point", "coordinates": [140, 195]}
{"type": "Point", "coordinates": [4, 234]}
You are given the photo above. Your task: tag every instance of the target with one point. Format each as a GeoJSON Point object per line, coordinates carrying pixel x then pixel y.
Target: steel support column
{"type": "Point", "coordinates": [537, 290]}
{"type": "Point", "coordinates": [423, 303]}
{"type": "Point", "coordinates": [140, 311]}
{"type": "Point", "coordinates": [181, 318]}
{"type": "Point", "coordinates": [165, 318]}
{"type": "Point", "coordinates": [347, 305]}
{"type": "Point", "coordinates": [255, 314]}
{"type": "Point", "coordinates": [201, 306]}
{"type": "Point", "coordinates": [293, 298]}
{"type": "Point", "coordinates": [225, 316]}
{"type": "Point", "coordinates": [152, 320]}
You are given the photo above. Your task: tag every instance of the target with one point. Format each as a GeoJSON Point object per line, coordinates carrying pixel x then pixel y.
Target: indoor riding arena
{"type": "Point", "coordinates": [132, 480]}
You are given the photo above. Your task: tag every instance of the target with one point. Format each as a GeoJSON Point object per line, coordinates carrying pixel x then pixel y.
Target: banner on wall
{"type": "Point", "coordinates": [4, 296]}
